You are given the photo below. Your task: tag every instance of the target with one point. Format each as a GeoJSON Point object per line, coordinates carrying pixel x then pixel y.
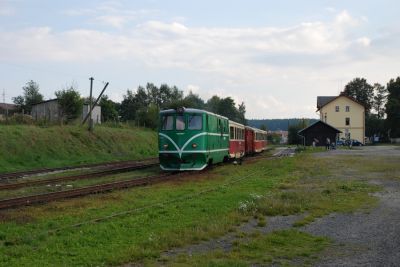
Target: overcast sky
{"type": "Point", "coordinates": [276, 56]}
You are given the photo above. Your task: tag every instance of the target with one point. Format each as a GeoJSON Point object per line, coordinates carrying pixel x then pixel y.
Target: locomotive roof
{"type": "Point", "coordinates": [192, 110]}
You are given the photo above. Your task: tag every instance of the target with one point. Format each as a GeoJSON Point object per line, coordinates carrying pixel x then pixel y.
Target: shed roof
{"type": "Point", "coordinates": [318, 122]}
{"type": "Point", "coordinates": [45, 101]}
{"type": "Point", "coordinates": [7, 106]}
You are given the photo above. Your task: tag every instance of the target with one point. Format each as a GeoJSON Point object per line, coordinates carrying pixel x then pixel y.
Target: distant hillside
{"type": "Point", "coordinates": [278, 124]}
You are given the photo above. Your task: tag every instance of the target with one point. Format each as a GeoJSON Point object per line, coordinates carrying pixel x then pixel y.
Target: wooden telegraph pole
{"type": "Point", "coordinates": [90, 105]}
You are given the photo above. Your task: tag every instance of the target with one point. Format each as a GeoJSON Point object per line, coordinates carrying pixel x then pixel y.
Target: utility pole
{"type": "Point", "coordinates": [90, 105]}
{"type": "Point", "coordinates": [5, 105]}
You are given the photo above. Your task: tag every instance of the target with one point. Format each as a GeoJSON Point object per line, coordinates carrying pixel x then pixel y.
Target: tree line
{"type": "Point", "coordinates": [140, 107]}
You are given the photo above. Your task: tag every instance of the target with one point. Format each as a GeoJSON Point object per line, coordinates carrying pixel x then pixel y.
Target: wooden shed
{"type": "Point", "coordinates": [319, 132]}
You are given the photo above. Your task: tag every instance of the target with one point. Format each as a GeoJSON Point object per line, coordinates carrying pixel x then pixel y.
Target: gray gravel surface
{"type": "Point", "coordinates": [364, 239]}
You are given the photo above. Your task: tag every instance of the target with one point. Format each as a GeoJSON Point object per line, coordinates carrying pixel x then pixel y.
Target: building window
{"type": "Point", "coordinates": [347, 121]}
{"type": "Point", "coordinates": [347, 108]}
{"type": "Point", "coordinates": [337, 108]}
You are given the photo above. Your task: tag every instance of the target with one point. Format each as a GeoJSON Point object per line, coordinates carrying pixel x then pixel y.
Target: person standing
{"type": "Point", "coordinates": [328, 143]}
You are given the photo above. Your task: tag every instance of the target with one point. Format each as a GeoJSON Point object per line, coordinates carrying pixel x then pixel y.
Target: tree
{"type": "Point", "coordinates": [108, 109]}
{"type": "Point", "coordinates": [19, 101]}
{"type": "Point", "coordinates": [293, 137]}
{"type": "Point", "coordinates": [263, 127]}
{"type": "Point", "coordinates": [31, 96]}
{"type": "Point", "coordinates": [379, 100]}
{"type": "Point", "coordinates": [242, 114]}
{"type": "Point", "coordinates": [393, 108]}
{"type": "Point", "coordinates": [129, 107]}
{"type": "Point", "coordinates": [361, 91]}
{"type": "Point", "coordinates": [70, 102]}
{"type": "Point", "coordinates": [193, 101]}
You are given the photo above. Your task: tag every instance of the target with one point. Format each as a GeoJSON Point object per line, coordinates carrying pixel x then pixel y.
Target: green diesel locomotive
{"type": "Point", "coordinates": [191, 139]}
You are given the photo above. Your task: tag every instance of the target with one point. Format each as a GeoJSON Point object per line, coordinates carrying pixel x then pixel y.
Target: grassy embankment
{"type": "Point", "coordinates": [25, 147]}
{"type": "Point", "coordinates": [176, 214]}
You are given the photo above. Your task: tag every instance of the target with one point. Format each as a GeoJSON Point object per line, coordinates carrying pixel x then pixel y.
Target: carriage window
{"type": "Point", "coordinates": [231, 132]}
{"type": "Point", "coordinates": [168, 122]}
{"type": "Point", "coordinates": [180, 123]}
{"type": "Point", "coordinates": [195, 122]}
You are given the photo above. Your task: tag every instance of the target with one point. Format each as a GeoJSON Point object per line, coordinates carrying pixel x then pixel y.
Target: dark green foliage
{"type": "Point", "coordinates": [108, 109]}
{"type": "Point", "coordinates": [70, 102]}
{"type": "Point", "coordinates": [263, 127]}
{"type": "Point", "coordinates": [143, 106]}
{"type": "Point", "coordinates": [361, 91]}
{"type": "Point", "coordinates": [293, 137]}
{"type": "Point", "coordinates": [31, 96]}
{"type": "Point", "coordinates": [379, 100]}
{"type": "Point", "coordinates": [393, 108]}
{"type": "Point", "coordinates": [375, 126]}
{"type": "Point", "coordinates": [226, 107]}
{"type": "Point", "coordinates": [193, 101]}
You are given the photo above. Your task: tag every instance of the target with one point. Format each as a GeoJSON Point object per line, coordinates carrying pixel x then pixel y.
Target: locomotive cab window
{"type": "Point", "coordinates": [180, 123]}
{"type": "Point", "coordinates": [195, 122]}
{"type": "Point", "coordinates": [168, 122]}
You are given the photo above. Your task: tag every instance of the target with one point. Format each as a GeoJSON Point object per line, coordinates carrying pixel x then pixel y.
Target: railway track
{"type": "Point", "coordinates": [4, 177]}
{"type": "Point", "coordinates": [112, 170]}
{"type": "Point", "coordinates": [100, 188]}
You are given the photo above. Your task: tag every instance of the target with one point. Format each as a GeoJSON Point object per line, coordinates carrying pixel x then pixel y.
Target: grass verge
{"type": "Point", "coordinates": [175, 214]}
{"type": "Point", "coordinates": [25, 147]}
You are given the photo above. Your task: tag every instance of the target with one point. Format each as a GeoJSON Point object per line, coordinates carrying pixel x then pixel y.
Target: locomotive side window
{"type": "Point", "coordinates": [168, 122]}
{"type": "Point", "coordinates": [195, 122]}
{"type": "Point", "coordinates": [180, 123]}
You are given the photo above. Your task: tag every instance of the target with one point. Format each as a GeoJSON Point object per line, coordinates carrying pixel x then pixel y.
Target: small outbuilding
{"type": "Point", "coordinates": [319, 132]}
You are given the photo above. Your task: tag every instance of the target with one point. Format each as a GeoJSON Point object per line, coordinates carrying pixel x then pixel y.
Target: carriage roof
{"type": "Point", "coordinates": [192, 110]}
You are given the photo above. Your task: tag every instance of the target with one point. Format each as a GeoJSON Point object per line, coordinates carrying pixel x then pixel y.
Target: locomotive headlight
{"type": "Point", "coordinates": [165, 146]}
{"type": "Point", "coordinates": [194, 145]}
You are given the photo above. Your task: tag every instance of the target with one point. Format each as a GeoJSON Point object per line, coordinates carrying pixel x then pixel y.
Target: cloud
{"type": "Point", "coordinates": [6, 9]}
{"type": "Point", "coordinates": [270, 62]}
{"type": "Point", "coordinates": [111, 14]}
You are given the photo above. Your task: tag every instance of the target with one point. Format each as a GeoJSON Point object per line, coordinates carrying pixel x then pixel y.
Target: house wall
{"type": "Point", "coordinates": [96, 113]}
{"type": "Point", "coordinates": [48, 111]}
{"type": "Point", "coordinates": [356, 128]}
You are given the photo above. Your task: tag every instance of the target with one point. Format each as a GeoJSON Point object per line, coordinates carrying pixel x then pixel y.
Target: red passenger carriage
{"type": "Point", "coordinates": [236, 140]}
{"type": "Point", "coordinates": [256, 140]}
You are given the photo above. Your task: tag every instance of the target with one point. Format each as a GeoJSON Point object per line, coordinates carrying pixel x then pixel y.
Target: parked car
{"type": "Point", "coordinates": [353, 142]}
{"type": "Point", "coordinates": [340, 143]}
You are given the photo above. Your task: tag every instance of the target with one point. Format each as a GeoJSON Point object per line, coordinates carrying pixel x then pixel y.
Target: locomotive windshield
{"type": "Point", "coordinates": [180, 123]}
{"type": "Point", "coordinates": [168, 122]}
{"type": "Point", "coordinates": [195, 122]}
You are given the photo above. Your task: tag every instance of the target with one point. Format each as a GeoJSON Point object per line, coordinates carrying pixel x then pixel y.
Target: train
{"type": "Point", "coordinates": [192, 139]}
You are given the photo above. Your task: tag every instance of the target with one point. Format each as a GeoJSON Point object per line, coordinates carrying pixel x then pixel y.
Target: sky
{"type": "Point", "coordinates": [275, 56]}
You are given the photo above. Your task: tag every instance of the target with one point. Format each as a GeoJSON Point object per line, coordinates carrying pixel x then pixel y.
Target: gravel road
{"type": "Point", "coordinates": [365, 239]}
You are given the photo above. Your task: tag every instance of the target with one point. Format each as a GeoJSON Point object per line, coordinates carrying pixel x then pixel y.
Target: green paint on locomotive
{"type": "Point", "coordinates": [190, 139]}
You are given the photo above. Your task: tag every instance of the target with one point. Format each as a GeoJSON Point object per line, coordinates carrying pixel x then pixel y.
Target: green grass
{"type": "Point", "coordinates": [276, 248]}
{"type": "Point", "coordinates": [175, 214]}
{"type": "Point", "coordinates": [24, 147]}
